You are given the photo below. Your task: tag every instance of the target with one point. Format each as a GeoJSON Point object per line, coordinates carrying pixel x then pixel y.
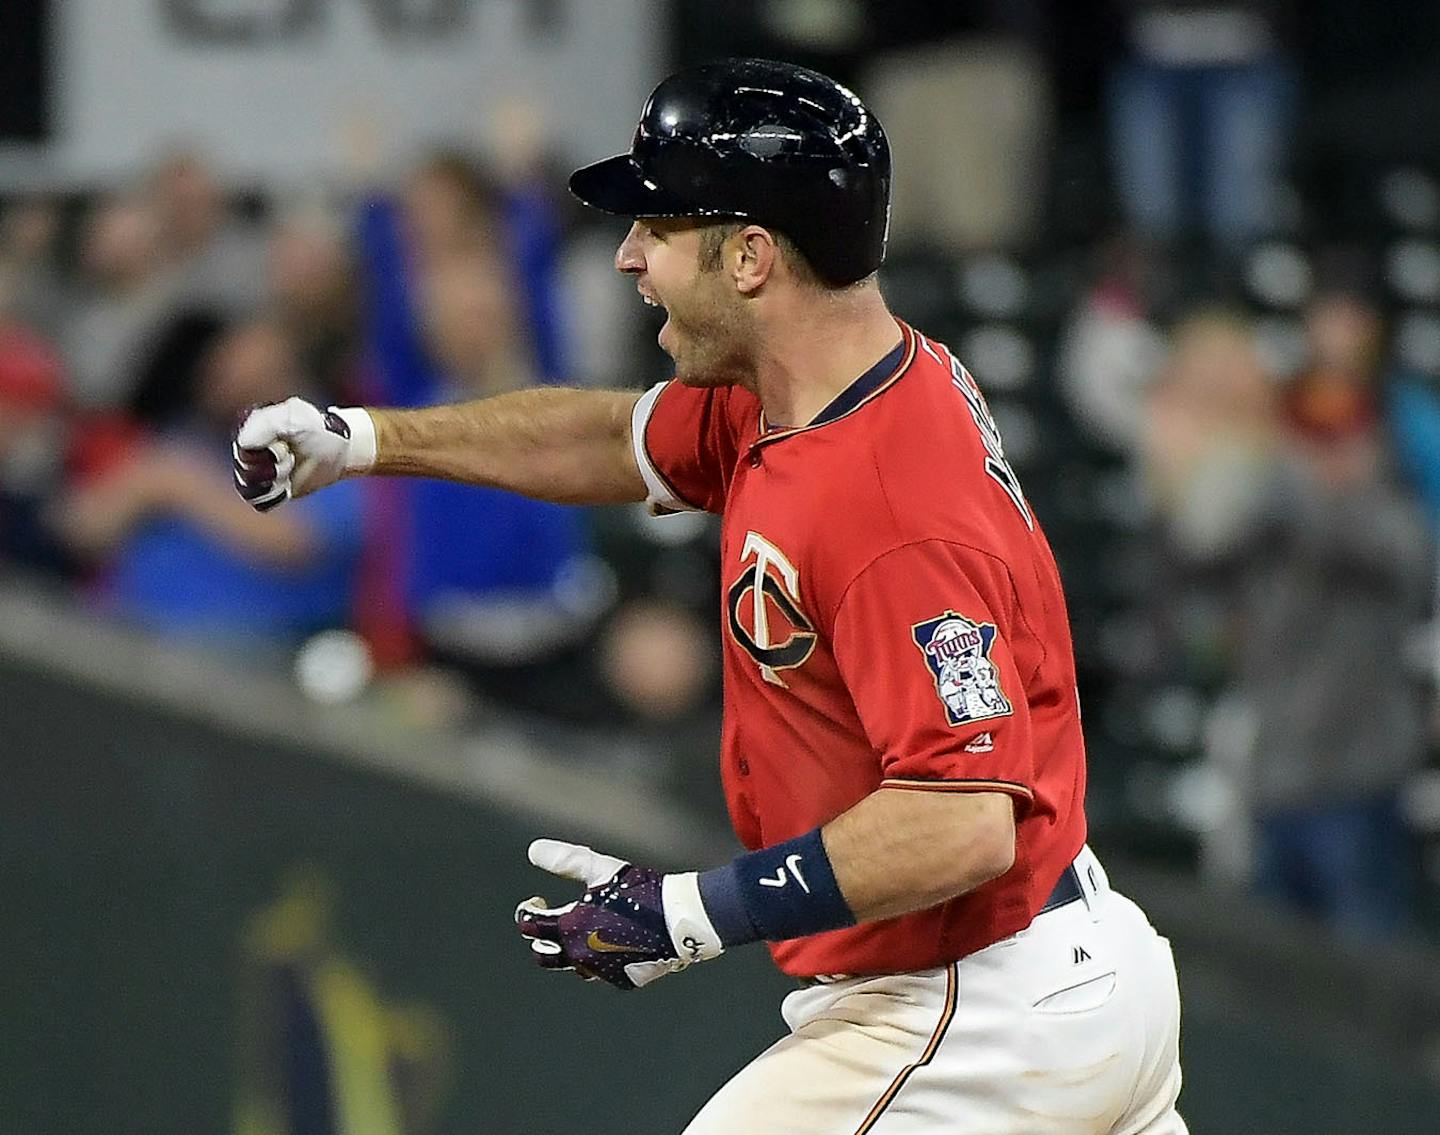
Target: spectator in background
{"type": "Point", "coordinates": [174, 552]}
{"type": "Point", "coordinates": [451, 209]}
{"type": "Point", "coordinates": [163, 274]}
{"type": "Point", "coordinates": [454, 209]}
{"type": "Point", "coordinates": [1208, 436]}
{"type": "Point", "coordinates": [1340, 575]}
{"type": "Point", "coordinates": [29, 228]}
{"type": "Point", "coordinates": [1110, 349]}
{"type": "Point", "coordinates": [218, 262]}
{"type": "Point", "coordinates": [1200, 107]}
{"type": "Point", "coordinates": [1327, 570]}
{"type": "Point", "coordinates": [1207, 446]}
{"type": "Point", "coordinates": [1413, 414]}
{"type": "Point", "coordinates": [31, 437]}
{"type": "Point", "coordinates": [125, 301]}
{"type": "Point", "coordinates": [312, 291]}
{"type": "Point", "coordinates": [533, 220]}
{"type": "Point", "coordinates": [511, 584]}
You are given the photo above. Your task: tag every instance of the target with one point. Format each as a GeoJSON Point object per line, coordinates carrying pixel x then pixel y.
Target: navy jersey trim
{"type": "Point", "coordinates": [862, 387]}
{"type": "Point", "coordinates": [873, 382]}
{"type": "Point", "coordinates": [915, 784]}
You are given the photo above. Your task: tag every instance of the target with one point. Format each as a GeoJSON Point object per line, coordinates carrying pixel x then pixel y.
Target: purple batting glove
{"type": "Point", "coordinates": [618, 931]}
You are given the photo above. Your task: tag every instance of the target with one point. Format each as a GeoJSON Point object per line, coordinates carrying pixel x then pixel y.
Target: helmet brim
{"type": "Point", "coordinates": [618, 185]}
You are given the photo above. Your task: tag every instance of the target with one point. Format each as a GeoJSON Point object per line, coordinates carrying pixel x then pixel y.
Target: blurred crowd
{"type": "Point", "coordinates": [138, 323]}
{"type": "Point", "coordinates": [1226, 411]}
{"type": "Point", "coordinates": [1281, 632]}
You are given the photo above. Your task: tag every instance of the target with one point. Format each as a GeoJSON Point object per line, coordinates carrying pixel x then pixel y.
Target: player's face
{"type": "Point", "coordinates": [705, 331]}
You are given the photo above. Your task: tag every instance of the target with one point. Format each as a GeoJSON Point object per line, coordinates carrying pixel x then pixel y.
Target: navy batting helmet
{"type": "Point", "coordinates": [761, 141]}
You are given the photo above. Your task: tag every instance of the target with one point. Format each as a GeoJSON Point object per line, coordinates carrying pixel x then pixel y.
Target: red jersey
{"type": "Point", "coordinates": [892, 616]}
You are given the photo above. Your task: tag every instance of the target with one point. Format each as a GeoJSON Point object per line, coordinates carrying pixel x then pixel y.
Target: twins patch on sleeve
{"type": "Point", "coordinates": [967, 681]}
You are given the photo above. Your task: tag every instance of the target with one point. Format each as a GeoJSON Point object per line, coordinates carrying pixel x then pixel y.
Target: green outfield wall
{"type": "Point", "coordinates": [197, 925]}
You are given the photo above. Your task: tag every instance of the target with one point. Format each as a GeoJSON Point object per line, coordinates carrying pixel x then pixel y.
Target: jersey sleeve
{"type": "Point", "coordinates": [922, 638]}
{"type": "Point", "coordinates": [686, 445]}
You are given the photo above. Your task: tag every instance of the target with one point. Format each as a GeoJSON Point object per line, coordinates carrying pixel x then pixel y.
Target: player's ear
{"type": "Point", "coordinates": [754, 258]}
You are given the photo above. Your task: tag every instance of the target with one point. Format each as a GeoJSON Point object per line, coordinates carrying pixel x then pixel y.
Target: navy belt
{"type": "Point", "coordinates": [1067, 890]}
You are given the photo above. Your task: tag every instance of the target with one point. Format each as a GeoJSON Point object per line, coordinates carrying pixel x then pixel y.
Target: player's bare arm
{"type": "Point", "coordinates": [899, 851]}
{"type": "Point", "coordinates": [895, 852]}
{"type": "Point", "coordinates": [568, 446]}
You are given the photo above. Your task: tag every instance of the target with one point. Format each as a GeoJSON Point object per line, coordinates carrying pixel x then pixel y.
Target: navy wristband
{"type": "Point", "coordinates": [780, 892]}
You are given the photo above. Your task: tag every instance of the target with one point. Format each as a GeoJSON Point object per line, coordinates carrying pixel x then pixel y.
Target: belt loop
{"type": "Point", "coordinates": [1092, 881]}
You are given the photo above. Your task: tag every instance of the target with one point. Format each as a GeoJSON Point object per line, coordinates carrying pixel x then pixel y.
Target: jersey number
{"type": "Point", "coordinates": [995, 464]}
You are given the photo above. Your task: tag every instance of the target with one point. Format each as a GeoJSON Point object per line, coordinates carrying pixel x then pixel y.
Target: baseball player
{"type": "Point", "coordinates": [902, 752]}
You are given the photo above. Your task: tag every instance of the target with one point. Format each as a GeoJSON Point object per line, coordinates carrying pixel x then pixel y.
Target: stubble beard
{"type": "Point", "coordinates": [716, 341]}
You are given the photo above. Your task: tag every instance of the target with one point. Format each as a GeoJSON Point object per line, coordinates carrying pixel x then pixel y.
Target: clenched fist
{"type": "Point", "coordinates": [291, 448]}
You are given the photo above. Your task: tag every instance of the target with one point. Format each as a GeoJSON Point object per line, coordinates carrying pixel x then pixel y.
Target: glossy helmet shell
{"type": "Point", "coordinates": [762, 141]}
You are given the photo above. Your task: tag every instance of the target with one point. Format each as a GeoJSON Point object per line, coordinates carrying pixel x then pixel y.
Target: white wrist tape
{"type": "Point", "coordinates": [691, 932]}
{"type": "Point", "coordinates": [361, 453]}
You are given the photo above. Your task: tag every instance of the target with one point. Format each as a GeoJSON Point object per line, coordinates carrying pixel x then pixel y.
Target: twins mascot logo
{"type": "Point", "coordinates": [957, 651]}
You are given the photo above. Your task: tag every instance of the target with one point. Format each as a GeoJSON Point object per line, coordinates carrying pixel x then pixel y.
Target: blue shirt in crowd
{"type": "Point", "coordinates": [177, 579]}
{"type": "Point", "coordinates": [462, 539]}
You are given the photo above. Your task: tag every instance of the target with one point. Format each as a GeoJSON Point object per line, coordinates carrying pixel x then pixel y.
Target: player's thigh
{"type": "Point", "coordinates": [1043, 1038]}
{"type": "Point", "coordinates": [1062, 1031]}
{"type": "Point", "coordinates": [1154, 997]}
{"type": "Point", "coordinates": [957, 1050]}
{"type": "Point", "coordinates": [795, 1087]}
{"type": "Point", "coordinates": [1070, 1026]}
{"type": "Point", "coordinates": [848, 1055]}
{"type": "Point", "coordinates": [1157, 1114]}
{"type": "Point", "coordinates": [1076, 1021]}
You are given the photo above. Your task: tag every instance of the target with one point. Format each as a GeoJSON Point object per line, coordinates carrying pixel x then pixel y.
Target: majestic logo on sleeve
{"type": "Point", "coordinates": [764, 606]}
{"type": "Point", "coordinates": [957, 651]}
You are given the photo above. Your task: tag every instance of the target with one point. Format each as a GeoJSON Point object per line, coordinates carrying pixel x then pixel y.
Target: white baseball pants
{"type": "Point", "coordinates": [1070, 1026]}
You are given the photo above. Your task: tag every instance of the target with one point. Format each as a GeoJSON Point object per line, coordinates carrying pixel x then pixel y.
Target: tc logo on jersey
{"type": "Point", "coordinates": [771, 583]}
{"type": "Point", "coordinates": [958, 654]}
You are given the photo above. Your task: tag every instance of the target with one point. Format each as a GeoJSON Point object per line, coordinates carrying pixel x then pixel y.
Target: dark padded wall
{"type": "Point", "coordinates": [138, 850]}
{"type": "Point", "coordinates": [134, 851]}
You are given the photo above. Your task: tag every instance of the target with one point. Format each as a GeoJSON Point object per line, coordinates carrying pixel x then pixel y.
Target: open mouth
{"type": "Point", "coordinates": [652, 300]}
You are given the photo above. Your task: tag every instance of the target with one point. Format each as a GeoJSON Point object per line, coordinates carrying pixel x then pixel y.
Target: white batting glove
{"type": "Point", "coordinates": [291, 448]}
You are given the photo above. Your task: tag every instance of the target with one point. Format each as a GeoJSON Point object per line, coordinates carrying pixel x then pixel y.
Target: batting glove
{"type": "Point", "coordinates": [632, 925]}
{"type": "Point", "coordinates": [291, 448]}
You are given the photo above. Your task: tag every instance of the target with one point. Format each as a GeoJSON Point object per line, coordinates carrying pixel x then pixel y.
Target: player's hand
{"type": "Point", "coordinates": [631, 926]}
{"type": "Point", "coordinates": [291, 448]}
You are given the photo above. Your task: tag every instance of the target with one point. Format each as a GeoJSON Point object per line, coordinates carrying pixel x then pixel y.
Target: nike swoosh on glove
{"type": "Point", "coordinates": [631, 926]}
{"type": "Point", "coordinates": [291, 448]}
